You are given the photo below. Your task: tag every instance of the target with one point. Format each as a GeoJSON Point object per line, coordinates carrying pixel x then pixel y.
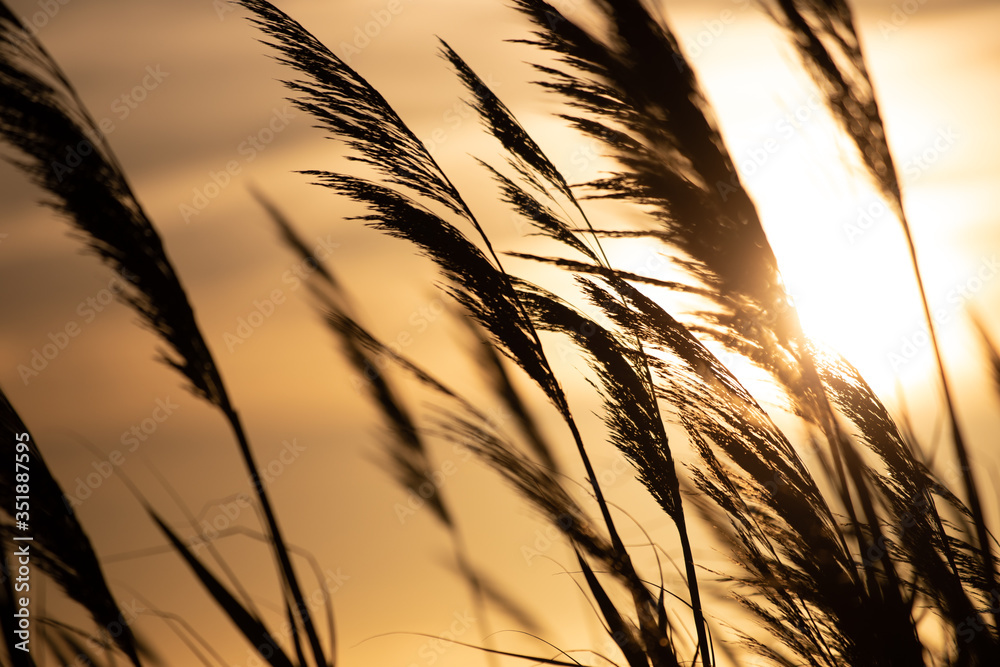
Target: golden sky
{"type": "Point", "coordinates": [187, 92]}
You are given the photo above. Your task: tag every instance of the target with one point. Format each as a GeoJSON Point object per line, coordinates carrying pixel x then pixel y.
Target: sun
{"type": "Point", "coordinates": [844, 259]}
{"type": "Point", "coordinates": [840, 247]}
{"type": "Point", "coordinates": [852, 280]}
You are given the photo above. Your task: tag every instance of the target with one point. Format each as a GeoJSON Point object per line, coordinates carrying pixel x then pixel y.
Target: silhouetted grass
{"type": "Point", "coordinates": [842, 558]}
{"type": "Point", "coordinates": [41, 115]}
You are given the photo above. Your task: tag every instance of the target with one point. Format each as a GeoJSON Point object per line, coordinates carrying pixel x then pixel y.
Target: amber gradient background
{"type": "Point", "coordinates": [936, 68]}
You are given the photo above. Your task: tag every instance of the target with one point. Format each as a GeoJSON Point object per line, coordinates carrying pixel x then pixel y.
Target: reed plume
{"type": "Point", "coordinates": [60, 547]}
{"type": "Point", "coordinates": [42, 116]}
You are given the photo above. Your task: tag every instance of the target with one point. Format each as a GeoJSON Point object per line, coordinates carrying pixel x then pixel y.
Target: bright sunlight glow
{"type": "Point", "coordinates": [840, 247]}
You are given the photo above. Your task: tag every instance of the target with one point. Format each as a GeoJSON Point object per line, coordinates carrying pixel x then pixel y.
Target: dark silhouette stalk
{"type": "Point", "coordinates": [280, 547]}
{"type": "Point", "coordinates": [850, 95]}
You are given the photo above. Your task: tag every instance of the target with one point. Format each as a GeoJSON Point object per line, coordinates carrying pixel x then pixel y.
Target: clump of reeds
{"type": "Point", "coordinates": [835, 578]}
{"type": "Point", "coordinates": [842, 558]}
{"type": "Point", "coordinates": [42, 115]}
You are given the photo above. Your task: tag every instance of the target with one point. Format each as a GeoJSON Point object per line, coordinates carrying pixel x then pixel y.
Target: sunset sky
{"type": "Point", "coordinates": [193, 107]}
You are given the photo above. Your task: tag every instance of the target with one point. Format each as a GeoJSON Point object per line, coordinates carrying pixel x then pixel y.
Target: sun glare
{"type": "Point", "coordinates": [852, 281]}
{"type": "Point", "coordinates": [839, 245]}
{"type": "Point", "coordinates": [842, 301]}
